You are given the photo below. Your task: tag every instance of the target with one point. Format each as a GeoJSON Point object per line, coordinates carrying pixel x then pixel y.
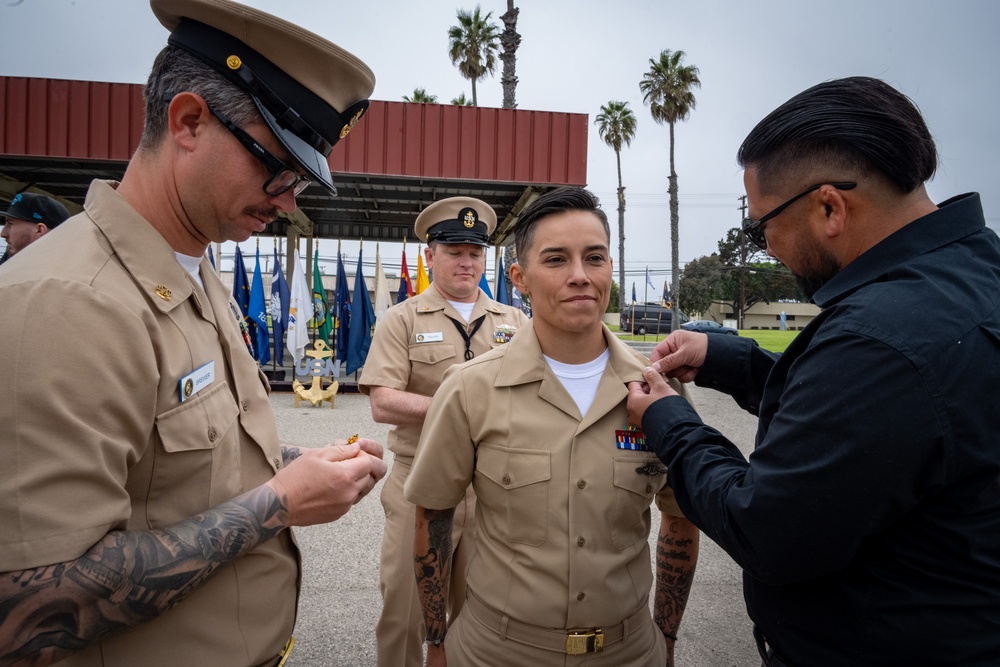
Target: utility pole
{"type": "Point", "coordinates": [743, 263]}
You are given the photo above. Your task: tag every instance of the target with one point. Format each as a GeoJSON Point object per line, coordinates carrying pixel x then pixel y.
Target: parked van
{"type": "Point", "coordinates": [650, 318]}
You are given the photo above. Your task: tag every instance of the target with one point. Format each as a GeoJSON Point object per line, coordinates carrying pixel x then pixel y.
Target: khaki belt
{"type": "Point", "coordinates": [570, 642]}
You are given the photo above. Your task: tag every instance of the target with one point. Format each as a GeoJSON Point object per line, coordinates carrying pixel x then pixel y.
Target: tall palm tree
{"type": "Point", "coordinates": [420, 95]}
{"type": "Point", "coordinates": [510, 41]}
{"type": "Point", "coordinates": [462, 101]}
{"type": "Point", "coordinates": [666, 90]}
{"type": "Point", "coordinates": [616, 126]}
{"type": "Point", "coordinates": [473, 46]}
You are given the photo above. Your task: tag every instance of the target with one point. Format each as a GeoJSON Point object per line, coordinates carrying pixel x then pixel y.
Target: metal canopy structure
{"type": "Point", "coordinates": [56, 136]}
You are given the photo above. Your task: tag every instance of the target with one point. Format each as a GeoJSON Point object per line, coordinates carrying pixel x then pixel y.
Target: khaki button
{"type": "Point", "coordinates": [246, 405]}
{"type": "Point", "coordinates": [580, 542]}
{"type": "Point", "coordinates": [649, 487]}
{"type": "Point", "coordinates": [581, 596]}
{"type": "Point", "coordinates": [581, 484]}
{"type": "Point", "coordinates": [506, 480]}
{"type": "Point", "coordinates": [212, 434]}
{"type": "Point", "coordinates": [277, 462]}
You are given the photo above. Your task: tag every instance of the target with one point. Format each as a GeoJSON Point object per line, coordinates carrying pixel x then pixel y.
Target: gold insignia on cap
{"type": "Point", "coordinates": [234, 62]}
{"type": "Point", "coordinates": [470, 219]}
{"type": "Point", "coordinates": [163, 292]}
{"type": "Point", "coordinates": [351, 123]}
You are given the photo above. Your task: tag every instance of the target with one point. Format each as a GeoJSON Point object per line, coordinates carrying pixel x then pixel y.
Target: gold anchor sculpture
{"type": "Point", "coordinates": [315, 394]}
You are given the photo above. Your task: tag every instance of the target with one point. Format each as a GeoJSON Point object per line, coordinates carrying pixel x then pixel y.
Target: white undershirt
{"type": "Point", "coordinates": [191, 265]}
{"type": "Point", "coordinates": [581, 380]}
{"type": "Point", "coordinates": [464, 309]}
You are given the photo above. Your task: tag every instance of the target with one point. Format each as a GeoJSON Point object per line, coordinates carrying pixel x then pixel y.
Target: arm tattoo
{"type": "Point", "coordinates": [128, 577]}
{"type": "Point", "coordinates": [289, 454]}
{"type": "Point", "coordinates": [676, 558]}
{"type": "Point", "coordinates": [432, 552]}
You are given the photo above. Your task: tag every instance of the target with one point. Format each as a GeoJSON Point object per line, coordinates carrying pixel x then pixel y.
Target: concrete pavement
{"type": "Point", "coordinates": [340, 600]}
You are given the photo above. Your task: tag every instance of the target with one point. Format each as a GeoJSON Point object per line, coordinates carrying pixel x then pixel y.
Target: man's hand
{"type": "Point", "coordinates": [322, 484]}
{"type": "Point", "coordinates": [643, 394]}
{"type": "Point", "coordinates": [680, 355]}
{"type": "Point", "coordinates": [436, 657]}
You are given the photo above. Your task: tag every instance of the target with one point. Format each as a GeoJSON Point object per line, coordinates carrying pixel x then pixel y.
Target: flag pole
{"type": "Point", "coordinates": [274, 355]}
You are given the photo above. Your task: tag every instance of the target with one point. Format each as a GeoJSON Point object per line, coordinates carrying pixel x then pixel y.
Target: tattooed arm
{"type": "Point", "coordinates": [676, 558]}
{"type": "Point", "coordinates": [129, 577]}
{"type": "Point", "coordinates": [432, 564]}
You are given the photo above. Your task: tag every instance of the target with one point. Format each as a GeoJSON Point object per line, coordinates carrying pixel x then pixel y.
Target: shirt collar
{"type": "Point", "coordinates": [432, 301]}
{"type": "Point", "coordinates": [955, 218]}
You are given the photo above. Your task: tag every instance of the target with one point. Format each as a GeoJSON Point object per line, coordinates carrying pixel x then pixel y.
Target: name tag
{"type": "Point", "coordinates": [431, 337]}
{"type": "Point", "coordinates": [195, 382]}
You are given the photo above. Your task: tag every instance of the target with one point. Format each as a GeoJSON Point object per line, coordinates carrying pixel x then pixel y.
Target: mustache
{"type": "Point", "coordinates": [266, 213]}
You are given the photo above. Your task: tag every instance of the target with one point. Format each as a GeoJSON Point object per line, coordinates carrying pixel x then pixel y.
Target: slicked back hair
{"type": "Point", "coordinates": [845, 127]}
{"type": "Point", "coordinates": [555, 201]}
{"type": "Point", "coordinates": [177, 71]}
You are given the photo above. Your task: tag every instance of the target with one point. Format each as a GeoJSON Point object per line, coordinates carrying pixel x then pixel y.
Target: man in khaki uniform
{"type": "Point", "coordinates": [417, 341]}
{"type": "Point", "coordinates": [561, 573]}
{"type": "Point", "coordinates": [145, 495]}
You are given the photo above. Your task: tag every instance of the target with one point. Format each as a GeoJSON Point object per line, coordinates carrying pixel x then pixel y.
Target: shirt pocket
{"type": "Point", "coordinates": [432, 353]}
{"type": "Point", "coordinates": [198, 465]}
{"type": "Point", "coordinates": [514, 492]}
{"type": "Point", "coordinates": [634, 493]}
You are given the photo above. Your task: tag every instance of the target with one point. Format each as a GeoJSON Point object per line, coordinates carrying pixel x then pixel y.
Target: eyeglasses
{"type": "Point", "coordinates": [283, 178]}
{"type": "Point", "coordinates": [754, 229]}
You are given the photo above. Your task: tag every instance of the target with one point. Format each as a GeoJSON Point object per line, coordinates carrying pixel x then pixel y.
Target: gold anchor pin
{"type": "Point", "coordinates": [163, 292]}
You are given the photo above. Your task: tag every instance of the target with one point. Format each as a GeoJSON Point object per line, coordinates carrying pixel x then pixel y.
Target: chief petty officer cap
{"type": "Point", "coordinates": [37, 208]}
{"type": "Point", "coordinates": [456, 220]}
{"type": "Point", "coordinates": [309, 91]}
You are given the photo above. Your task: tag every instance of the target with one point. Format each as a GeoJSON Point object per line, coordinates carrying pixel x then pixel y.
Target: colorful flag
{"type": "Point", "coordinates": [321, 318]}
{"type": "Point", "coordinates": [359, 339]}
{"type": "Point", "coordinates": [300, 308]}
{"type": "Point", "coordinates": [422, 280]}
{"type": "Point", "coordinates": [515, 298]}
{"type": "Point", "coordinates": [211, 256]}
{"type": "Point", "coordinates": [279, 309]}
{"type": "Point", "coordinates": [666, 296]}
{"type": "Point", "coordinates": [633, 293]}
{"type": "Point", "coordinates": [405, 284]}
{"type": "Point", "coordinates": [382, 302]}
{"type": "Point", "coordinates": [485, 286]}
{"type": "Point", "coordinates": [258, 315]}
{"type": "Point", "coordinates": [502, 285]}
{"type": "Point", "coordinates": [341, 309]}
{"type": "Point", "coordinates": [241, 285]}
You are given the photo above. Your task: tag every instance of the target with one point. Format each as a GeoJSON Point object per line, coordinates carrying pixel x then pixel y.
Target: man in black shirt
{"type": "Point", "coordinates": [867, 520]}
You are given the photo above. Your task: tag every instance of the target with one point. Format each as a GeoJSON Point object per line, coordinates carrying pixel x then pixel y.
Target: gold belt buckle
{"type": "Point", "coordinates": [287, 651]}
{"type": "Point", "coordinates": [585, 641]}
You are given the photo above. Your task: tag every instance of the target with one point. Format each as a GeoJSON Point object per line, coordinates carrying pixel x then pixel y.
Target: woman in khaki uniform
{"type": "Point", "coordinates": [416, 342]}
{"type": "Point", "coordinates": [561, 573]}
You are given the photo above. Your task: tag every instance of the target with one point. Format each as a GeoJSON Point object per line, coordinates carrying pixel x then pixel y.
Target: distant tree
{"type": "Point", "coordinates": [510, 40]}
{"type": "Point", "coordinates": [616, 126]}
{"type": "Point", "coordinates": [462, 101]}
{"type": "Point", "coordinates": [473, 46]}
{"type": "Point", "coordinates": [420, 95]}
{"type": "Point", "coordinates": [705, 281]}
{"type": "Point", "coordinates": [666, 90]}
{"type": "Point", "coordinates": [615, 304]}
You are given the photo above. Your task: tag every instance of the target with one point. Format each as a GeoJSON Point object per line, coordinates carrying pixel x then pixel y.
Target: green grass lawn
{"type": "Point", "coordinates": [775, 341]}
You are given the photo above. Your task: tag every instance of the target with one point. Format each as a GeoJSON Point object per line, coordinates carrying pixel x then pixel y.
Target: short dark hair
{"type": "Point", "coordinates": [858, 124]}
{"type": "Point", "coordinates": [555, 201]}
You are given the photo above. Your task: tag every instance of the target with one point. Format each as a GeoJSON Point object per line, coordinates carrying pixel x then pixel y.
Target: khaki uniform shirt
{"type": "Point", "coordinates": [417, 341]}
{"type": "Point", "coordinates": [563, 516]}
{"type": "Point", "coordinates": [100, 325]}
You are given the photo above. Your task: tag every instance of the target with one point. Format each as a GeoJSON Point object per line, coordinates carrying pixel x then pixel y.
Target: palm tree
{"type": "Point", "coordinates": [666, 89]}
{"type": "Point", "coordinates": [462, 101]}
{"type": "Point", "coordinates": [420, 95]}
{"type": "Point", "coordinates": [616, 126]}
{"type": "Point", "coordinates": [473, 45]}
{"type": "Point", "coordinates": [510, 41]}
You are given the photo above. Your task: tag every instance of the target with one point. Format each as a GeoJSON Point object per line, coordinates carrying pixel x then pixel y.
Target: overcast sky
{"type": "Point", "coordinates": [576, 56]}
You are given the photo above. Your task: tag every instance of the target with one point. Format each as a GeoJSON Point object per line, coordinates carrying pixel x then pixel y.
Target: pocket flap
{"type": "Point", "coordinates": [513, 468]}
{"type": "Point", "coordinates": [432, 353]}
{"type": "Point", "coordinates": [198, 423]}
{"type": "Point", "coordinates": [627, 478]}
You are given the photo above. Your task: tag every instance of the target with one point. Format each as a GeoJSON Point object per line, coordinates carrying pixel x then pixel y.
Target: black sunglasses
{"type": "Point", "coordinates": [283, 178]}
{"type": "Point", "coordinates": [754, 229]}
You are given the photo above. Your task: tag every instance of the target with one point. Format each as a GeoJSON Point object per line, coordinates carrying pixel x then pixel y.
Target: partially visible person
{"type": "Point", "coordinates": [146, 498]}
{"type": "Point", "coordinates": [867, 520]}
{"type": "Point", "coordinates": [417, 341]}
{"type": "Point", "coordinates": [561, 574]}
{"type": "Point", "coordinates": [28, 218]}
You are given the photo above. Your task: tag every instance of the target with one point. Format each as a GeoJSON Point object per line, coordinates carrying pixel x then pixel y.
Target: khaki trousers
{"type": "Point", "coordinates": [399, 634]}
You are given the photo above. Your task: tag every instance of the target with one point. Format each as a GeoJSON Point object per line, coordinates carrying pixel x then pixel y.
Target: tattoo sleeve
{"type": "Point", "coordinates": [676, 558]}
{"type": "Point", "coordinates": [127, 578]}
{"type": "Point", "coordinates": [432, 565]}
